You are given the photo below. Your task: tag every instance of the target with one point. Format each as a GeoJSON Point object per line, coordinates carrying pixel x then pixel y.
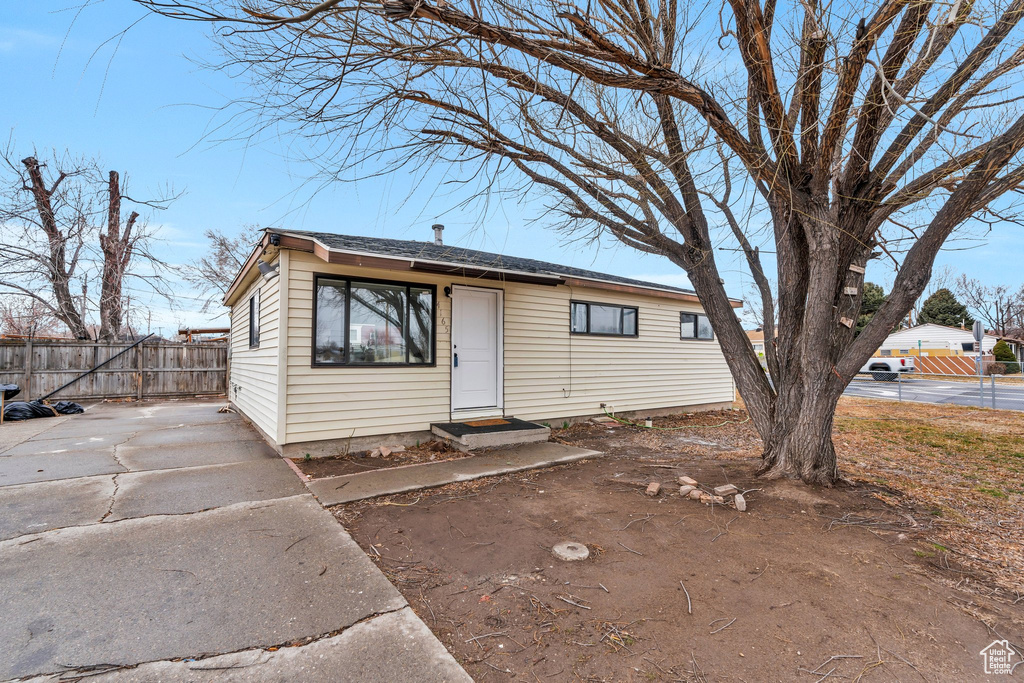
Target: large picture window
{"type": "Point", "coordinates": [367, 322]}
{"type": "Point", "coordinates": [603, 319]}
{"type": "Point", "coordinates": [695, 326]}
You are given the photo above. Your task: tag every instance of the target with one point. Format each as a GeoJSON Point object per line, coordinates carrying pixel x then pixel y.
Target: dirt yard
{"type": "Point", "coordinates": [351, 463]}
{"type": "Point", "coordinates": [905, 575]}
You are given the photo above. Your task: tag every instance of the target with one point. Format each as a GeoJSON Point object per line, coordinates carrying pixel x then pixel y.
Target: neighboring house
{"type": "Point", "coordinates": [1015, 341]}
{"type": "Point", "coordinates": [930, 339]}
{"type": "Point", "coordinates": [337, 341]}
{"type": "Point", "coordinates": [942, 350]}
{"type": "Point", "coordinates": [756, 338]}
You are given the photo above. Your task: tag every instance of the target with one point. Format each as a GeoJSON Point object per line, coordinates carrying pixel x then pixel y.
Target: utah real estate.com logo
{"type": "Point", "coordinates": [999, 657]}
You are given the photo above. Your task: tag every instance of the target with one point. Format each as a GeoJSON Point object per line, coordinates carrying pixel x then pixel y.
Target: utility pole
{"type": "Point", "coordinates": [85, 298]}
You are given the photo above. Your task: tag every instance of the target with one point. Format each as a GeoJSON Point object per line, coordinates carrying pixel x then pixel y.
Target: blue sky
{"type": "Point", "coordinates": [146, 108]}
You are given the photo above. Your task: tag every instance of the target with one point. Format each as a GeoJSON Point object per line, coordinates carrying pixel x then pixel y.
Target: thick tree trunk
{"type": "Point", "coordinates": [117, 254]}
{"type": "Point", "coordinates": [800, 442]}
{"type": "Point", "coordinates": [59, 271]}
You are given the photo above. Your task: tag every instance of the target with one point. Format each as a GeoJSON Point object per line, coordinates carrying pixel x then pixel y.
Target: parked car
{"type": "Point", "coordinates": [887, 369]}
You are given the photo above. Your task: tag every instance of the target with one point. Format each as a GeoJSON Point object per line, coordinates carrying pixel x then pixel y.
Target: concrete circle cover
{"type": "Point", "coordinates": [570, 551]}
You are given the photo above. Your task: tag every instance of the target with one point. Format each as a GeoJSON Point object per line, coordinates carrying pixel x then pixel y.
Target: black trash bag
{"type": "Point", "coordinates": [10, 391]}
{"type": "Point", "coordinates": [27, 410]}
{"type": "Point", "coordinates": [68, 408]}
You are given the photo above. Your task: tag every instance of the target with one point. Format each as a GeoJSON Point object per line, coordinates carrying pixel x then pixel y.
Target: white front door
{"type": "Point", "coordinates": [476, 339]}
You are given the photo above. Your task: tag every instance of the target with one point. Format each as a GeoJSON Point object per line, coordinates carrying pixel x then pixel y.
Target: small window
{"type": "Point", "coordinates": [603, 319]}
{"type": "Point", "coordinates": [695, 326]}
{"type": "Point", "coordinates": [372, 323]}
{"type": "Point", "coordinates": [968, 346]}
{"type": "Point", "coordinates": [254, 320]}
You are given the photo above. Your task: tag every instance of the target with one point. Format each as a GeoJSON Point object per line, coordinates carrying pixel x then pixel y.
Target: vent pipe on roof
{"type": "Point", "coordinates": [438, 229]}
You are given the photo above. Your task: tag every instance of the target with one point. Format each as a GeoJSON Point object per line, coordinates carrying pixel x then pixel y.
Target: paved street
{"type": "Point", "coordinates": [136, 534]}
{"type": "Point", "coordinates": [1007, 396]}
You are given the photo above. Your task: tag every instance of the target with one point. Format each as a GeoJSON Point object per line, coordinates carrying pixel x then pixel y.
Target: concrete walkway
{"type": "Point", "coordinates": [141, 533]}
{"type": "Point", "coordinates": [371, 484]}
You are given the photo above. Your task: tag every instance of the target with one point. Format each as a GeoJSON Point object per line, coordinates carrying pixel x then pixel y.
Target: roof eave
{"type": "Point", "coordinates": [368, 259]}
{"type": "Point", "coordinates": [233, 289]}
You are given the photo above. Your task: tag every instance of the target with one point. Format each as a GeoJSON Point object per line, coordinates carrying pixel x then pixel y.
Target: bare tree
{"type": "Point", "coordinates": [25, 317]}
{"type": "Point", "coordinates": [1015, 314]}
{"type": "Point", "coordinates": [118, 249]}
{"type": "Point", "coordinates": [854, 138]}
{"type": "Point", "coordinates": [993, 305]}
{"type": "Point", "coordinates": [212, 274]}
{"type": "Point", "coordinates": [45, 227]}
{"type": "Point", "coordinates": [52, 246]}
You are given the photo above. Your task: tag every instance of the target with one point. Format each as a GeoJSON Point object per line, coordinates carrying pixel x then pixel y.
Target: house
{"type": "Point", "coordinates": [756, 338]}
{"type": "Point", "coordinates": [1015, 340]}
{"type": "Point", "coordinates": [941, 350]}
{"type": "Point", "coordinates": [338, 341]}
{"type": "Point", "coordinates": [930, 339]}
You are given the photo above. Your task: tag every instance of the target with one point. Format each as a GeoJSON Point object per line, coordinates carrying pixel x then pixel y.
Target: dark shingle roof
{"type": "Point", "coordinates": [428, 251]}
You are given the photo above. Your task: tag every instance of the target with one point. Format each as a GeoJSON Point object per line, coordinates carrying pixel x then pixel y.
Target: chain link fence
{"type": "Point", "coordinates": [995, 387]}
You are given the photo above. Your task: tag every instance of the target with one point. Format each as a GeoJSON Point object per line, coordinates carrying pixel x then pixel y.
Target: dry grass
{"type": "Point", "coordinates": [963, 466]}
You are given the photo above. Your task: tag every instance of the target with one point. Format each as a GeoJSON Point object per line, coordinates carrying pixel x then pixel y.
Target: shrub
{"type": "Point", "coordinates": [996, 369]}
{"type": "Point", "coordinates": [1004, 355]}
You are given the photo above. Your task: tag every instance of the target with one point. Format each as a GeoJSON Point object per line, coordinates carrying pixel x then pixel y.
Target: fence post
{"type": "Point", "coordinates": [28, 369]}
{"type": "Point", "coordinates": [139, 364]}
{"type": "Point", "coordinates": [993, 390]}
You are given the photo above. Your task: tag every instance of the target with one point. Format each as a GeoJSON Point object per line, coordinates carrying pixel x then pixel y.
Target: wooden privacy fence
{"type": "Point", "coordinates": [150, 370]}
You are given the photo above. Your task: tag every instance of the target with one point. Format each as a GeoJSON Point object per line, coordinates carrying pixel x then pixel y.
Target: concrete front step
{"type": "Point", "coordinates": [383, 482]}
{"type": "Point", "coordinates": [494, 433]}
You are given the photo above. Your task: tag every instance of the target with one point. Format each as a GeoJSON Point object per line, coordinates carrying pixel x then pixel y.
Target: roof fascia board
{"type": "Point", "coordinates": [487, 273]}
{"type": "Point", "coordinates": [229, 295]}
{"type": "Point", "coordinates": [636, 289]}
{"type": "Point", "coordinates": [352, 257]}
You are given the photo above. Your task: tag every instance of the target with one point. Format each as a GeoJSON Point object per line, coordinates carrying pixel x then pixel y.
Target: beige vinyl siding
{"type": "Point", "coordinates": [343, 402]}
{"type": "Point", "coordinates": [551, 373]}
{"type": "Point", "coordinates": [254, 372]}
{"type": "Point", "coordinates": [541, 378]}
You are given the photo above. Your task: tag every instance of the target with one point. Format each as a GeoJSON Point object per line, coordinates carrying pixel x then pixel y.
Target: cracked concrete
{"type": "Point", "coordinates": [31, 508]}
{"type": "Point", "coordinates": [191, 489]}
{"type": "Point", "coordinates": [113, 498]}
{"type": "Point", "coordinates": [354, 655]}
{"type": "Point", "coordinates": [195, 541]}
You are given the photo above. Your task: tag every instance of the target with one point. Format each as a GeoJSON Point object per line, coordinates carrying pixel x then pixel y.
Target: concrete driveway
{"type": "Point", "coordinates": [167, 541]}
